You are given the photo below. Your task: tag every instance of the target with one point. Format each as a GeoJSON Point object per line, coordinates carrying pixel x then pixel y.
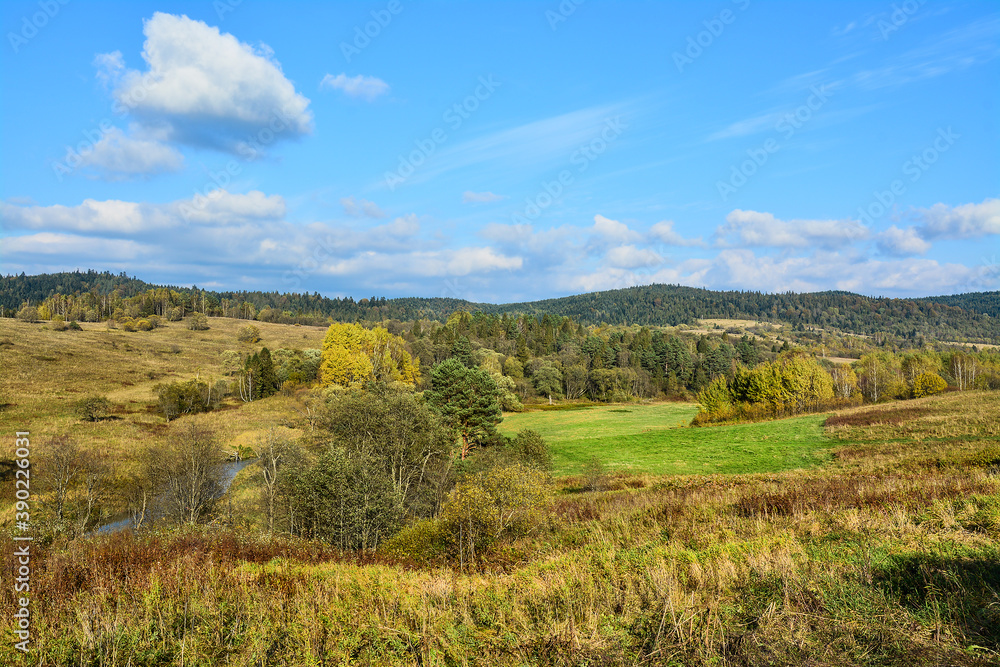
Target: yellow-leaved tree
{"type": "Point", "coordinates": [354, 355]}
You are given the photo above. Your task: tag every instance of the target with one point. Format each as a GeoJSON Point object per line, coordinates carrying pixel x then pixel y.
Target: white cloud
{"type": "Point", "coordinates": [90, 216]}
{"type": "Point", "coordinates": [901, 242]}
{"type": "Point", "coordinates": [221, 208]}
{"type": "Point", "coordinates": [470, 197]}
{"type": "Point", "coordinates": [664, 232]}
{"type": "Point", "coordinates": [366, 87]}
{"type": "Point", "coordinates": [110, 68]}
{"type": "Point", "coordinates": [205, 87]}
{"type": "Point", "coordinates": [79, 248]}
{"type": "Point", "coordinates": [361, 208]}
{"type": "Point", "coordinates": [967, 221]}
{"type": "Point", "coordinates": [630, 257]}
{"type": "Point", "coordinates": [117, 155]}
{"type": "Point", "coordinates": [425, 264]}
{"type": "Point", "coordinates": [113, 216]}
{"type": "Point", "coordinates": [612, 230]}
{"type": "Point", "coordinates": [754, 228]}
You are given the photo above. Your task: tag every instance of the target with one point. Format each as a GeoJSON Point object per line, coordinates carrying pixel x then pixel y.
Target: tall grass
{"type": "Point", "coordinates": [857, 563]}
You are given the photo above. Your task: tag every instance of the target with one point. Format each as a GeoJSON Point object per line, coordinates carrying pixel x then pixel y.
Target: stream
{"type": "Point", "coordinates": [229, 471]}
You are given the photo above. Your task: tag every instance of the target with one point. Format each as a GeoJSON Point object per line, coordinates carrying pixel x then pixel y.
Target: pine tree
{"type": "Point", "coordinates": [468, 399]}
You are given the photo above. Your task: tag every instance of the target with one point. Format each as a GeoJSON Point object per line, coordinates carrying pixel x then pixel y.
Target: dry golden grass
{"type": "Point", "coordinates": [45, 372]}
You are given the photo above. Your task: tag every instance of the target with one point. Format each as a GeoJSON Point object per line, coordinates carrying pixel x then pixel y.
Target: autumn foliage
{"type": "Point", "coordinates": [354, 356]}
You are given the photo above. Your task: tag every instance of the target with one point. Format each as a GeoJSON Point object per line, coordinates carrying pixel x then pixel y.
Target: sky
{"type": "Point", "coordinates": [504, 152]}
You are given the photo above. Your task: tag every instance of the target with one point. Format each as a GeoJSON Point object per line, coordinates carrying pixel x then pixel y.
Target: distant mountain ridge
{"type": "Point", "coordinates": [972, 317]}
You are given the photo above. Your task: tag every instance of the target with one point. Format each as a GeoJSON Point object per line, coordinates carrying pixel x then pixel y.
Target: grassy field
{"type": "Point", "coordinates": [44, 372]}
{"type": "Point", "coordinates": [654, 439]}
{"type": "Point", "coordinates": [888, 555]}
{"type": "Point", "coordinates": [872, 541]}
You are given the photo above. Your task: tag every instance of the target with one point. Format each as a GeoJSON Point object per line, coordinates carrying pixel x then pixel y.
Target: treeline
{"type": "Point", "coordinates": [795, 383]}
{"type": "Point", "coordinates": [94, 296]}
{"type": "Point", "coordinates": [987, 303]}
{"type": "Point", "coordinates": [907, 319]}
{"type": "Point", "coordinates": [553, 357]}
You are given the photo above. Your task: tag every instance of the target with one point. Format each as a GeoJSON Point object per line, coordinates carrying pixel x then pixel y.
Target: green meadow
{"type": "Point", "coordinates": [654, 439]}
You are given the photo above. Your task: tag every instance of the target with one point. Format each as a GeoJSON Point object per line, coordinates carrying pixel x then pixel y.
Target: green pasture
{"type": "Point", "coordinates": [655, 439]}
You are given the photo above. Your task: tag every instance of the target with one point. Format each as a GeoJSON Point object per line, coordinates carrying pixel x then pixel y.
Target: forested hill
{"type": "Point", "coordinates": [987, 303]}
{"type": "Point", "coordinates": [973, 317]}
{"type": "Point", "coordinates": [671, 304]}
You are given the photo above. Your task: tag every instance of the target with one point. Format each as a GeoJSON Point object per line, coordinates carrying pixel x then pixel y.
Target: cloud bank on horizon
{"type": "Point", "coordinates": [857, 152]}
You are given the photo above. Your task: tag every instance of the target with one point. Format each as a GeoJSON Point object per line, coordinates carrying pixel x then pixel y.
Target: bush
{"type": "Point", "coordinates": [248, 334]}
{"type": "Point", "coordinates": [74, 326]}
{"type": "Point", "coordinates": [345, 499]}
{"type": "Point", "coordinates": [58, 323]}
{"type": "Point", "coordinates": [175, 314]}
{"type": "Point", "coordinates": [595, 475]}
{"type": "Point", "coordinates": [92, 408]}
{"type": "Point", "coordinates": [493, 507]}
{"type": "Point", "coordinates": [128, 324]}
{"type": "Point", "coordinates": [716, 402]}
{"type": "Point", "coordinates": [144, 325]}
{"type": "Point", "coordinates": [181, 398]}
{"type": "Point", "coordinates": [28, 314]}
{"type": "Point", "coordinates": [197, 322]}
{"type": "Point", "coordinates": [425, 542]}
{"type": "Point", "coordinates": [988, 380]}
{"type": "Point", "coordinates": [928, 384]}
{"type": "Point", "coordinates": [529, 448]}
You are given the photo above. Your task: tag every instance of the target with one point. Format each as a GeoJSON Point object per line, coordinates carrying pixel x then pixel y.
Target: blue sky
{"type": "Point", "coordinates": [504, 151]}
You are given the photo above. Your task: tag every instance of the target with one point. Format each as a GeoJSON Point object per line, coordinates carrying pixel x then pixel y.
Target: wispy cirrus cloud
{"type": "Point", "coordinates": [538, 144]}
{"type": "Point", "coordinates": [470, 197]}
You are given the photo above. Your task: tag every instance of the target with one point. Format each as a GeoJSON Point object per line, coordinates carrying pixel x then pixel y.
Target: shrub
{"type": "Point", "coordinates": [58, 323]}
{"type": "Point", "coordinates": [425, 542]}
{"type": "Point", "coordinates": [928, 384]}
{"type": "Point", "coordinates": [197, 322]}
{"type": "Point", "coordinates": [28, 314]}
{"type": "Point", "coordinates": [595, 475]}
{"type": "Point", "coordinates": [181, 398]}
{"type": "Point", "coordinates": [493, 507]}
{"type": "Point", "coordinates": [716, 402]}
{"type": "Point", "coordinates": [175, 314]}
{"type": "Point", "coordinates": [92, 408]}
{"type": "Point", "coordinates": [74, 326]}
{"type": "Point", "coordinates": [529, 448]}
{"type": "Point", "coordinates": [128, 324]}
{"type": "Point", "coordinates": [248, 334]}
{"type": "Point", "coordinates": [988, 380]}
{"type": "Point", "coordinates": [144, 325]}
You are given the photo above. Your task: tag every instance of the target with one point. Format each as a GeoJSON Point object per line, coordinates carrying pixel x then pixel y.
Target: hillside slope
{"type": "Point", "coordinates": [966, 318]}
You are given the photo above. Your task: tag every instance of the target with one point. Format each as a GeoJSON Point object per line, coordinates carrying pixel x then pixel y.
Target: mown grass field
{"type": "Point", "coordinates": [654, 439]}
